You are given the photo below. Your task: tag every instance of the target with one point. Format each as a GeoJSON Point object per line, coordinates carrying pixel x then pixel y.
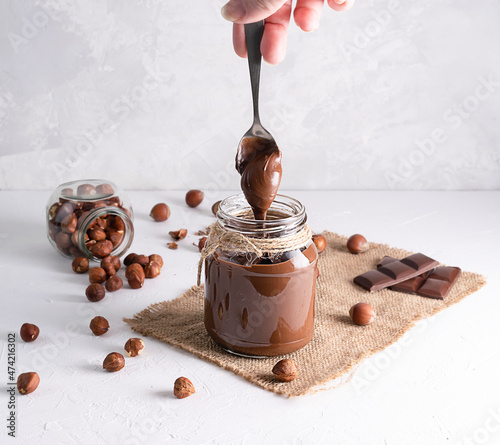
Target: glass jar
{"type": "Point", "coordinates": [261, 305]}
{"type": "Point", "coordinates": [91, 218]}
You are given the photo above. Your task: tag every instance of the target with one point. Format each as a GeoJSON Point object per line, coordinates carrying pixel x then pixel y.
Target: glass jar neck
{"type": "Point", "coordinates": [89, 219]}
{"type": "Point", "coordinates": [286, 216]}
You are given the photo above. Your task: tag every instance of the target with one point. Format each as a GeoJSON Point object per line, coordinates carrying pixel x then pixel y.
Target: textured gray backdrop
{"type": "Point", "coordinates": [148, 93]}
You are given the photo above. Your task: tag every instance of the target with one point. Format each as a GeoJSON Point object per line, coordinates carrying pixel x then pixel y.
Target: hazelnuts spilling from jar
{"type": "Point", "coordinates": [113, 362]}
{"type": "Point", "coordinates": [140, 267]}
{"type": "Point", "coordinates": [177, 235]}
{"type": "Point", "coordinates": [99, 325]}
{"type": "Point", "coordinates": [285, 370]}
{"type": "Point", "coordinates": [183, 388]}
{"type": "Point", "coordinates": [357, 244]}
{"type": "Point", "coordinates": [29, 332]}
{"type": "Point", "coordinates": [194, 198]}
{"type": "Point", "coordinates": [160, 212]}
{"type": "Point", "coordinates": [134, 347]}
{"type": "Point", "coordinates": [362, 314]}
{"type": "Point", "coordinates": [320, 242]}
{"type": "Point", "coordinates": [27, 382]}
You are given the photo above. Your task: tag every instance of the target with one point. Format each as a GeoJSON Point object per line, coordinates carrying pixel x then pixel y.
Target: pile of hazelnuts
{"type": "Point", "coordinates": [362, 314]}
{"type": "Point", "coordinates": [139, 267]}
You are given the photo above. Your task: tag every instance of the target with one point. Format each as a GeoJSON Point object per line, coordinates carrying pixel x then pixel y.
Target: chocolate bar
{"type": "Point", "coordinates": [435, 283]}
{"type": "Point", "coordinates": [395, 272]}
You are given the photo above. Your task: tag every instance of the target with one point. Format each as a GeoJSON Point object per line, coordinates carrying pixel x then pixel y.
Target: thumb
{"type": "Point", "coordinates": [249, 11]}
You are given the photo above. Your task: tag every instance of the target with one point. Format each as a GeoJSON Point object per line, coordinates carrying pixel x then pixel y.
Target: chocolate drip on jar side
{"type": "Point", "coordinates": [259, 163]}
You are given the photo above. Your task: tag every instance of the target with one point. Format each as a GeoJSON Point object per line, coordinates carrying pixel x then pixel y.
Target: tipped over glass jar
{"type": "Point", "coordinates": [260, 278]}
{"type": "Point", "coordinates": [91, 218]}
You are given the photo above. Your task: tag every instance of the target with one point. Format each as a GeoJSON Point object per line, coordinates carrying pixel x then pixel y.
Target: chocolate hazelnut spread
{"type": "Point", "coordinates": [261, 309]}
{"type": "Point", "coordinates": [259, 163]}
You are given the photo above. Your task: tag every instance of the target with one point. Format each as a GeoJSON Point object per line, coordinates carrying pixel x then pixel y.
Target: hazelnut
{"type": "Point", "coordinates": [215, 207]}
{"type": "Point", "coordinates": [63, 240]}
{"type": "Point", "coordinates": [27, 382]}
{"type": "Point", "coordinates": [68, 224]}
{"type": "Point", "coordinates": [160, 212]}
{"type": "Point", "coordinates": [118, 224]}
{"type": "Point", "coordinates": [156, 258]}
{"type": "Point", "coordinates": [173, 245]}
{"type": "Point", "coordinates": [97, 275]}
{"type": "Point", "coordinates": [135, 276]}
{"type": "Point", "coordinates": [99, 325]}
{"type": "Point", "coordinates": [134, 347]}
{"type": "Point", "coordinates": [29, 332]}
{"type": "Point", "coordinates": [111, 264]}
{"type": "Point", "coordinates": [194, 198]}
{"type": "Point", "coordinates": [63, 211]}
{"type": "Point", "coordinates": [320, 242]}
{"type": "Point", "coordinates": [201, 243]}
{"type": "Point", "coordinates": [102, 248]}
{"type": "Point", "coordinates": [178, 234]}
{"type": "Point", "coordinates": [75, 251]}
{"type": "Point", "coordinates": [183, 388]}
{"type": "Point", "coordinates": [95, 292]}
{"type": "Point", "coordinates": [67, 192]}
{"type": "Point", "coordinates": [80, 264]}
{"type": "Point", "coordinates": [113, 362]}
{"type": "Point", "coordinates": [85, 189]}
{"type": "Point", "coordinates": [129, 259]}
{"type": "Point", "coordinates": [96, 233]}
{"type": "Point", "coordinates": [357, 244]}
{"type": "Point", "coordinates": [152, 269]}
{"type": "Point", "coordinates": [285, 370]}
{"type": "Point", "coordinates": [362, 314]}
{"type": "Point", "coordinates": [104, 189]}
{"type": "Point", "coordinates": [114, 283]}
{"type": "Point", "coordinates": [115, 237]}
{"type": "Point", "coordinates": [141, 259]}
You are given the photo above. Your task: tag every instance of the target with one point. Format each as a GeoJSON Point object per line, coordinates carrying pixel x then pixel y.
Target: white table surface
{"type": "Point", "coordinates": [439, 384]}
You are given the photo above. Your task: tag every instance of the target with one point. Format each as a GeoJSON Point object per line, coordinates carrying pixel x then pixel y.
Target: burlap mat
{"type": "Point", "coordinates": [338, 345]}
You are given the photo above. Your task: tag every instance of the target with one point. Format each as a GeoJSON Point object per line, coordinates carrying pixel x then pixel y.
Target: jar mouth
{"type": "Point", "coordinates": [286, 215]}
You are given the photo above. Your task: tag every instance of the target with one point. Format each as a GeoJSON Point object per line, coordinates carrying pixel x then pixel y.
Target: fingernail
{"type": "Point", "coordinates": [339, 2]}
{"type": "Point", "coordinates": [233, 12]}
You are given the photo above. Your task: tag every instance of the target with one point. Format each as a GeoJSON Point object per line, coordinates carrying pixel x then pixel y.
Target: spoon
{"type": "Point", "coordinates": [258, 159]}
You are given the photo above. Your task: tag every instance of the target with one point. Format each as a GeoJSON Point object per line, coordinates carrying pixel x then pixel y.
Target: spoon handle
{"type": "Point", "coordinates": [253, 35]}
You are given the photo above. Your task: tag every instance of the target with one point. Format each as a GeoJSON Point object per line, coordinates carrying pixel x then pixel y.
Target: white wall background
{"type": "Point", "coordinates": [148, 93]}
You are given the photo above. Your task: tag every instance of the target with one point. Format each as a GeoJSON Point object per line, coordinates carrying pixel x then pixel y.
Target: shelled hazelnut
{"type": "Point", "coordinates": [156, 258]}
{"type": "Point", "coordinates": [113, 362]}
{"type": "Point", "coordinates": [29, 332]}
{"type": "Point", "coordinates": [111, 264]}
{"type": "Point", "coordinates": [95, 292]}
{"type": "Point", "coordinates": [201, 243]}
{"type": "Point", "coordinates": [99, 325]}
{"type": "Point", "coordinates": [129, 259]}
{"type": "Point", "coordinates": [114, 283]}
{"type": "Point", "coordinates": [320, 242]}
{"type": "Point", "coordinates": [97, 275]}
{"type": "Point", "coordinates": [357, 244]}
{"type": "Point", "coordinates": [285, 370]}
{"type": "Point", "coordinates": [177, 235]}
{"type": "Point", "coordinates": [27, 382]}
{"type": "Point", "coordinates": [362, 314]}
{"type": "Point", "coordinates": [135, 276]}
{"type": "Point", "coordinates": [152, 269]}
{"type": "Point", "coordinates": [194, 198]}
{"type": "Point", "coordinates": [134, 347]}
{"type": "Point", "coordinates": [160, 212]}
{"type": "Point", "coordinates": [102, 249]}
{"type": "Point", "coordinates": [80, 264]}
{"type": "Point", "coordinates": [215, 207]}
{"type": "Point", "coordinates": [141, 259]}
{"type": "Point", "coordinates": [183, 388]}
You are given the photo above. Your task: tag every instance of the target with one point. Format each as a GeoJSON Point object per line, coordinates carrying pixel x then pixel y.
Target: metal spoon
{"type": "Point", "coordinates": [246, 148]}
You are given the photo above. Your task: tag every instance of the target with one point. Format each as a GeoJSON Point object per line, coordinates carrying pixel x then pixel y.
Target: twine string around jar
{"type": "Point", "coordinates": [237, 243]}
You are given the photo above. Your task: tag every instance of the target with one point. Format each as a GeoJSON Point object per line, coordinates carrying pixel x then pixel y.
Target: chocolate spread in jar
{"type": "Point", "coordinates": [261, 309]}
{"type": "Point", "coordinates": [259, 163]}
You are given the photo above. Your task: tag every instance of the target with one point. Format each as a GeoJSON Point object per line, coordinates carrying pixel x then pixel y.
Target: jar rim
{"type": "Point", "coordinates": [232, 207]}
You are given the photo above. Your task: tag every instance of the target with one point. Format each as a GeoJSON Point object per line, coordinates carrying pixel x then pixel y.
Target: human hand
{"type": "Point", "coordinates": [277, 17]}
